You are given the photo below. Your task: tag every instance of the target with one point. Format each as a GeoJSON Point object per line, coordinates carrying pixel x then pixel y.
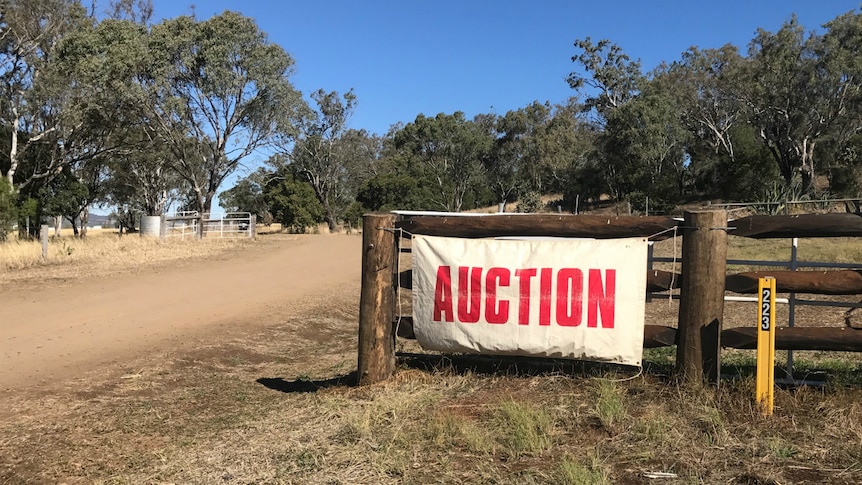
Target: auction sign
{"type": "Point", "coordinates": [566, 298]}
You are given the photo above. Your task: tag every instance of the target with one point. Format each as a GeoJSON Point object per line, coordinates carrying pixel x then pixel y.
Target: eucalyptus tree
{"type": "Point", "coordinates": [704, 83]}
{"type": "Point", "coordinates": [642, 141]}
{"type": "Point", "coordinates": [512, 165]}
{"type": "Point", "coordinates": [328, 155]}
{"type": "Point", "coordinates": [800, 87]}
{"type": "Point", "coordinates": [65, 197]}
{"type": "Point", "coordinates": [840, 54]}
{"type": "Point", "coordinates": [137, 11]}
{"type": "Point", "coordinates": [448, 150]}
{"type": "Point", "coordinates": [140, 175]}
{"type": "Point", "coordinates": [69, 107]}
{"type": "Point", "coordinates": [566, 154]}
{"type": "Point", "coordinates": [37, 104]}
{"type": "Point", "coordinates": [608, 77]}
{"type": "Point", "coordinates": [645, 142]}
{"type": "Point", "coordinates": [221, 83]}
{"type": "Point", "coordinates": [8, 209]}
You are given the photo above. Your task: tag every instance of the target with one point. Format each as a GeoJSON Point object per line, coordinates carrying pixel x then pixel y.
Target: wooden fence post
{"type": "Point", "coordinates": [43, 235]}
{"type": "Point", "coordinates": [704, 261]}
{"type": "Point", "coordinates": [377, 299]}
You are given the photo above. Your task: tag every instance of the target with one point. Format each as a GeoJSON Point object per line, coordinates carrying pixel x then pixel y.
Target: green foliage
{"type": "Point", "coordinates": [606, 70]}
{"type": "Point", "coordinates": [775, 196]}
{"type": "Point", "coordinates": [713, 124]}
{"type": "Point", "coordinates": [39, 92]}
{"type": "Point", "coordinates": [393, 192]}
{"type": "Point", "coordinates": [530, 202]}
{"type": "Point", "coordinates": [65, 196]}
{"type": "Point", "coordinates": [29, 207]}
{"type": "Point", "coordinates": [294, 204]}
{"type": "Point", "coordinates": [644, 144]}
{"type": "Point", "coordinates": [28, 211]}
{"type": "Point", "coordinates": [353, 215]}
{"type": "Point", "coordinates": [446, 151]}
{"type": "Point", "coordinates": [247, 195]}
{"type": "Point", "coordinates": [737, 177]}
{"type": "Point", "coordinates": [8, 211]}
{"type": "Point", "coordinates": [237, 82]}
{"type": "Point", "coordinates": [331, 158]}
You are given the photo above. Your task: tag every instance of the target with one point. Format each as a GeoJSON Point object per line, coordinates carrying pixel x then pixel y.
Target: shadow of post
{"type": "Point", "coordinates": [304, 385]}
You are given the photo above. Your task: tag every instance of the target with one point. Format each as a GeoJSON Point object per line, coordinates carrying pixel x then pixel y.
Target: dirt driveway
{"type": "Point", "coordinates": [63, 330]}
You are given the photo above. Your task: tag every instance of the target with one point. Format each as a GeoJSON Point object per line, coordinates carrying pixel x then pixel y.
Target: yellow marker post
{"type": "Point", "coordinates": [764, 392]}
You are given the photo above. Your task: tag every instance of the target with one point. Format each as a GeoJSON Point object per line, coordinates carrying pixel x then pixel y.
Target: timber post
{"type": "Point", "coordinates": [377, 299]}
{"type": "Point", "coordinates": [43, 237]}
{"type": "Point", "coordinates": [704, 261]}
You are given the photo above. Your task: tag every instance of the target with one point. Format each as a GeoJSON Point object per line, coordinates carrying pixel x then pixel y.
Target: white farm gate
{"type": "Point", "coordinates": [231, 225]}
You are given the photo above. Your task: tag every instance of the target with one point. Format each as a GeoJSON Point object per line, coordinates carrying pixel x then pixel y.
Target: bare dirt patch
{"type": "Point", "coordinates": [249, 382]}
{"type": "Point", "coordinates": [60, 330]}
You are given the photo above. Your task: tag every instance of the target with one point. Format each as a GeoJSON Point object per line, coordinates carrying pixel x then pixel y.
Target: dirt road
{"type": "Point", "coordinates": [60, 332]}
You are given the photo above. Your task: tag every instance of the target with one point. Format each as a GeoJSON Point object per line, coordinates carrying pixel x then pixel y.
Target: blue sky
{"type": "Point", "coordinates": [403, 58]}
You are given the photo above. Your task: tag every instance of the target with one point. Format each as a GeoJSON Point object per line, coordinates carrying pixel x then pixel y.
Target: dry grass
{"type": "Point", "coordinates": [277, 406]}
{"type": "Point", "coordinates": [258, 409]}
{"type": "Point", "coordinates": [103, 252]}
{"type": "Point", "coordinates": [255, 411]}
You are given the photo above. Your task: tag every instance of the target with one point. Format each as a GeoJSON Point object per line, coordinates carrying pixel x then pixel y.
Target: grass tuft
{"type": "Point", "coordinates": [525, 427]}
{"type": "Point", "coordinates": [609, 408]}
{"type": "Point", "coordinates": [572, 472]}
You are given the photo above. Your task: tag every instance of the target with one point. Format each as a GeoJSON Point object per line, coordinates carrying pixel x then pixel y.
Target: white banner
{"type": "Point", "coordinates": [566, 298]}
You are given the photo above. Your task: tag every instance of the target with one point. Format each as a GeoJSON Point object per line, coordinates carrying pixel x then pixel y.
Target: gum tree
{"type": "Point", "coordinates": [37, 100]}
{"type": "Point", "coordinates": [219, 90]}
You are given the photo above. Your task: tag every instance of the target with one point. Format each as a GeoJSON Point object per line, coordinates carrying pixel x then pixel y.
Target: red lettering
{"type": "Point", "coordinates": [545, 296]}
{"type": "Point", "coordinates": [469, 294]}
{"type": "Point", "coordinates": [570, 296]}
{"type": "Point", "coordinates": [567, 302]}
{"type": "Point", "coordinates": [524, 294]}
{"type": "Point", "coordinates": [443, 295]}
{"type": "Point", "coordinates": [601, 298]}
{"type": "Point", "coordinates": [493, 314]}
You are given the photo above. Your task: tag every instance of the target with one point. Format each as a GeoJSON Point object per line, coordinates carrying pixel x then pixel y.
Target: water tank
{"type": "Point", "coordinates": [151, 226]}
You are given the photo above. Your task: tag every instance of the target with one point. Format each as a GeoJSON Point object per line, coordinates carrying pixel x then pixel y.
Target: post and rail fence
{"type": "Point", "coordinates": [702, 283]}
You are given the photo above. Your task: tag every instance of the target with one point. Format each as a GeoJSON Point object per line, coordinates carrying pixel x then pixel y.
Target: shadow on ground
{"type": "Point", "coordinates": [305, 385]}
{"type": "Point", "coordinates": [513, 366]}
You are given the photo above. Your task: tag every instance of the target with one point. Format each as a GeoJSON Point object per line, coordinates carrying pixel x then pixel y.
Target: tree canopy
{"type": "Point", "coordinates": [120, 111]}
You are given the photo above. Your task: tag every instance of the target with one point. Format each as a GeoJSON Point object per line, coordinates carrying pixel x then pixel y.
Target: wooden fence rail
{"type": "Point", "coordinates": [702, 283]}
{"type": "Point", "coordinates": [538, 225]}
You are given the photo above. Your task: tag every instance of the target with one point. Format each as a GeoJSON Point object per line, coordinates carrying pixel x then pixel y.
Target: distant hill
{"type": "Point", "coordinates": [101, 220]}
{"type": "Point", "coordinates": [95, 220]}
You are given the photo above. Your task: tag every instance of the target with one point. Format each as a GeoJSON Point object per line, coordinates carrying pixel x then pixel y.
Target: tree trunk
{"type": "Point", "coordinates": [58, 224]}
{"type": "Point", "coordinates": [85, 220]}
{"type": "Point", "coordinates": [13, 150]}
{"type": "Point", "coordinates": [206, 205]}
{"type": "Point", "coordinates": [332, 222]}
{"type": "Point", "coordinates": [74, 226]}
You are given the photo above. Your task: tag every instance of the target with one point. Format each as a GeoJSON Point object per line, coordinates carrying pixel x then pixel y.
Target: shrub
{"type": "Point", "coordinates": [530, 202]}
{"type": "Point", "coordinates": [294, 205]}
